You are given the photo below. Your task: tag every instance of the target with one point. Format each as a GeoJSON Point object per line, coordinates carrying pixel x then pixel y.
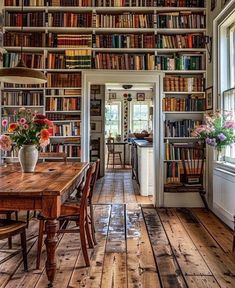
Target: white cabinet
{"type": "Point", "coordinates": [224, 195]}
{"type": "Point", "coordinates": [145, 170]}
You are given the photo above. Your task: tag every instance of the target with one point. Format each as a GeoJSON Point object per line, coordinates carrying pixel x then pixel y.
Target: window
{"type": "Point", "coordinates": [229, 105]}
{"type": "Point", "coordinates": [231, 54]}
{"type": "Point", "coordinates": [226, 69]}
{"type": "Point", "coordinates": [140, 116]}
{"type": "Point", "coordinates": [113, 119]}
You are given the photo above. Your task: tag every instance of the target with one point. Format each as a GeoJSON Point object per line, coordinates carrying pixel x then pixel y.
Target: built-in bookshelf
{"type": "Point", "coordinates": [64, 37]}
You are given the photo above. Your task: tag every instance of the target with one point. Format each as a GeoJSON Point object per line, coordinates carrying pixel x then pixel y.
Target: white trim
{"type": "Point", "coordinates": [101, 77]}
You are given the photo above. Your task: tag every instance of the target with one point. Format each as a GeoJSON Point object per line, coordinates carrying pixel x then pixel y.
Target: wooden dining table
{"type": "Point", "coordinates": [43, 190]}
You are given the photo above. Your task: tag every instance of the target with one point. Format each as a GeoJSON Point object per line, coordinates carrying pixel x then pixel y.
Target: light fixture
{"type": "Point", "coordinates": [127, 86]}
{"type": "Point", "coordinates": [20, 74]}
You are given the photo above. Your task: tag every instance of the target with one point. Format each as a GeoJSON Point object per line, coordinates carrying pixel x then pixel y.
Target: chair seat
{"type": "Point", "coordinates": [10, 227]}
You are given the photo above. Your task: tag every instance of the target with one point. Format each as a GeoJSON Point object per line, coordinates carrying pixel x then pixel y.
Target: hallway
{"type": "Point", "coordinates": [138, 246]}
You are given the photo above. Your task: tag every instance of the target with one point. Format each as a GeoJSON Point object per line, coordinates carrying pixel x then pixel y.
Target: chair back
{"type": "Point", "coordinates": [110, 144]}
{"type": "Point", "coordinates": [87, 187]}
{"type": "Point", "coordinates": [53, 155]}
{"type": "Point", "coordinates": [94, 178]}
{"type": "Point", "coordinates": [193, 165]}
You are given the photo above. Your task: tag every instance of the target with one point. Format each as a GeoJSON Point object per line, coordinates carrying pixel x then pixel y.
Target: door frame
{"type": "Point", "coordinates": [101, 77]}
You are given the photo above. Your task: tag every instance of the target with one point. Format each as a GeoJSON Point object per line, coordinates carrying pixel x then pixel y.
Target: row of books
{"type": "Point", "coordinates": [25, 2]}
{"type": "Point", "coordinates": [69, 40]}
{"type": "Point", "coordinates": [189, 103]}
{"type": "Point", "coordinates": [182, 20]}
{"type": "Point", "coordinates": [29, 39]}
{"type": "Point", "coordinates": [64, 79]}
{"type": "Point", "coordinates": [181, 62]}
{"type": "Point", "coordinates": [63, 104]}
{"type": "Point", "coordinates": [125, 61]}
{"type": "Point", "coordinates": [108, 3]}
{"type": "Point", "coordinates": [193, 40]}
{"type": "Point", "coordinates": [173, 151]}
{"type": "Point", "coordinates": [181, 128]}
{"type": "Point", "coordinates": [172, 172]}
{"type": "Point", "coordinates": [71, 150]}
{"type": "Point", "coordinates": [31, 60]}
{"type": "Point", "coordinates": [69, 19]}
{"type": "Point", "coordinates": [38, 39]}
{"type": "Point", "coordinates": [78, 3]}
{"type": "Point", "coordinates": [71, 59]}
{"type": "Point", "coordinates": [125, 41]}
{"type": "Point", "coordinates": [125, 20]}
{"type": "Point", "coordinates": [70, 129]}
{"type": "Point", "coordinates": [62, 116]}
{"type": "Point", "coordinates": [24, 98]}
{"type": "Point", "coordinates": [29, 19]}
{"type": "Point", "coordinates": [63, 92]}
{"type": "Point", "coordinates": [183, 83]}
{"type": "Point", "coordinates": [124, 3]}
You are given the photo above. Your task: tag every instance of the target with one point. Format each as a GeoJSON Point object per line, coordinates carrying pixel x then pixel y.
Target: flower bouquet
{"type": "Point", "coordinates": [28, 132]}
{"type": "Point", "coordinates": [217, 131]}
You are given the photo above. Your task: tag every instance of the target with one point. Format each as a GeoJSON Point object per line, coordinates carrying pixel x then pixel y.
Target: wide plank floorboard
{"type": "Point", "coordinates": [138, 246]}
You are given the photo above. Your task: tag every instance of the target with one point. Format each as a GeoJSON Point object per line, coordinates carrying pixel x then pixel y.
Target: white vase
{"type": "Point", "coordinates": [28, 157]}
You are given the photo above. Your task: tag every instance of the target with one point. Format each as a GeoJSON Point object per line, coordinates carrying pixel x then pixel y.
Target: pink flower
{"type": "Point", "coordinates": [22, 121]}
{"type": "Point", "coordinates": [229, 124]}
{"type": "Point", "coordinates": [26, 126]}
{"type": "Point", "coordinates": [5, 143]}
{"type": "Point", "coordinates": [48, 122]}
{"type": "Point", "coordinates": [4, 122]}
{"type": "Point", "coordinates": [44, 143]}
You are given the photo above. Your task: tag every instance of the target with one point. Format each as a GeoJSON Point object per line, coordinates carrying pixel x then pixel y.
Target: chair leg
{"type": "Point", "coordinates": [40, 239]}
{"type": "Point", "coordinates": [24, 249]}
{"type": "Point", "coordinates": [16, 215]}
{"type": "Point", "coordinates": [27, 218]}
{"type": "Point", "coordinates": [88, 234]}
{"type": "Point", "coordinates": [83, 242]}
{"type": "Point", "coordinates": [120, 157]}
{"type": "Point", "coordinates": [107, 162]}
{"type": "Point", "coordinates": [8, 216]}
{"type": "Point", "coordinates": [204, 200]}
{"type": "Point", "coordinates": [92, 224]}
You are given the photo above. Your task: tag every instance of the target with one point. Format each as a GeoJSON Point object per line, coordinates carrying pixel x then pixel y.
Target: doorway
{"type": "Point", "coordinates": [112, 77]}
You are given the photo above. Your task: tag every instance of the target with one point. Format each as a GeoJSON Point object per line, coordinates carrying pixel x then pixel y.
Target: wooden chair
{"type": "Point", "coordinates": [234, 235]}
{"type": "Point", "coordinates": [112, 152]}
{"type": "Point", "coordinates": [91, 216]}
{"type": "Point", "coordinates": [53, 156]}
{"type": "Point", "coordinates": [193, 167]}
{"type": "Point", "coordinates": [73, 212]}
{"type": "Point", "coordinates": [8, 214]}
{"type": "Point", "coordinates": [9, 228]}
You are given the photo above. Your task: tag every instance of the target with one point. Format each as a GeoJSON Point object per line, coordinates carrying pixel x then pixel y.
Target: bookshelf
{"type": "Point", "coordinates": [65, 37]}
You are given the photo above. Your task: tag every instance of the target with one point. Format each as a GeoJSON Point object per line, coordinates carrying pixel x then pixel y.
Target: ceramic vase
{"type": "Point", "coordinates": [28, 157]}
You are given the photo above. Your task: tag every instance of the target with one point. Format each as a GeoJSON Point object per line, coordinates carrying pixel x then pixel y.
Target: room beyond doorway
{"type": "Point", "coordinates": [128, 77]}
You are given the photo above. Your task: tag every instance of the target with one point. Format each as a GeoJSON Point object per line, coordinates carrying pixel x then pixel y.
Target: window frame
{"type": "Point", "coordinates": [134, 102]}
{"type": "Point", "coordinates": [119, 104]}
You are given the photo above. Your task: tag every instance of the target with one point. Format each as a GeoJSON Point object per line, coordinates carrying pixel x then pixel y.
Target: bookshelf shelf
{"type": "Point", "coordinates": [183, 71]}
{"type": "Point", "coordinates": [180, 138]}
{"type": "Point", "coordinates": [71, 112]}
{"type": "Point", "coordinates": [18, 106]}
{"type": "Point", "coordinates": [182, 93]}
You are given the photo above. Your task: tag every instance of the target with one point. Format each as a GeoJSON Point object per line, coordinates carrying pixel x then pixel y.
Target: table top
{"type": "Point", "coordinates": [49, 178]}
{"type": "Point", "coordinates": [117, 143]}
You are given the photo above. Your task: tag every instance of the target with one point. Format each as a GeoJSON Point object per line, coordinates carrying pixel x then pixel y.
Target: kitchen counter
{"type": "Point", "coordinates": [142, 165]}
{"type": "Point", "coordinates": [142, 143]}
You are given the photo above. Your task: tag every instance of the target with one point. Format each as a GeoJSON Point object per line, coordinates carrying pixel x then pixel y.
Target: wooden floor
{"type": "Point", "coordinates": [138, 246]}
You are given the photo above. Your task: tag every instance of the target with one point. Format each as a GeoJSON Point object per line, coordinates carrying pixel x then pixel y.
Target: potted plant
{"type": "Point", "coordinates": [28, 132]}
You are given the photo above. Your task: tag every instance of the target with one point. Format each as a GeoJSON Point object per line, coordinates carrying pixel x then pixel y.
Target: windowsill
{"type": "Point", "coordinates": [226, 166]}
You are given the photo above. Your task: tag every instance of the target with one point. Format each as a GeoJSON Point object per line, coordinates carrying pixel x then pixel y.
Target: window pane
{"type": "Point", "coordinates": [112, 119]}
{"type": "Point", "coordinates": [232, 56]}
{"type": "Point", "coordinates": [140, 117]}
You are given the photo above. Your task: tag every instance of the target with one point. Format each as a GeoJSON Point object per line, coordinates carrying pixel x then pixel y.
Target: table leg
{"type": "Point", "coordinates": [124, 162]}
{"type": "Point", "coordinates": [51, 241]}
